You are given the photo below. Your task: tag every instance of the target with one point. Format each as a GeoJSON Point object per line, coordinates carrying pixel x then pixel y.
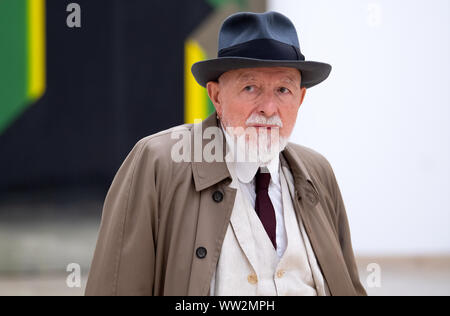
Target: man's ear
{"type": "Point", "coordinates": [303, 93]}
{"type": "Point", "coordinates": [213, 92]}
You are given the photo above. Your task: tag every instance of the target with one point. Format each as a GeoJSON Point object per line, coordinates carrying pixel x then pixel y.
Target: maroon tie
{"type": "Point", "coordinates": [264, 207]}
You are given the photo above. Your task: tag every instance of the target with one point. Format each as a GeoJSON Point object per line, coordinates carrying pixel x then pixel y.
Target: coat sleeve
{"type": "Point", "coordinates": [343, 230]}
{"type": "Point", "coordinates": [124, 258]}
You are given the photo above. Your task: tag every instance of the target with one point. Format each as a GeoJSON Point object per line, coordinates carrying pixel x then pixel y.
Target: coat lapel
{"type": "Point", "coordinates": [320, 232]}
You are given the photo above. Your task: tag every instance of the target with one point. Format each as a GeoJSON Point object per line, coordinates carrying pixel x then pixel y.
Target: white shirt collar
{"type": "Point", "coordinates": [246, 171]}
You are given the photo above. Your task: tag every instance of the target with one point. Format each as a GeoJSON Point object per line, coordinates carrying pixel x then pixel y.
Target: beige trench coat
{"type": "Point", "coordinates": [164, 222]}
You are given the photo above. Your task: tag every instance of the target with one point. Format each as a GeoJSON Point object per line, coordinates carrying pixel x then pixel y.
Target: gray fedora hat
{"type": "Point", "coordinates": [252, 40]}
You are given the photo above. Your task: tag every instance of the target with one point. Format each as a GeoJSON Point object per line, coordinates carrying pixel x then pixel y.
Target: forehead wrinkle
{"type": "Point", "coordinates": [288, 80]}
{"type": "Point", "coordinates": [245, 76]}
{"type": "Point", "coordinates": [290, 77]}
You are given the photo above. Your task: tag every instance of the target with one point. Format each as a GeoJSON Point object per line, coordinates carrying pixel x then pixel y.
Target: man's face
{"type": "Point", "coordinates": [244, 97]}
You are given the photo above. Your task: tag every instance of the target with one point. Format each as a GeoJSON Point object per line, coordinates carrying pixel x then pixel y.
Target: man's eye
{"type": "Point", "coordinates": [284, 90]}
{"type": "Point", "coordinates": [249, 88]}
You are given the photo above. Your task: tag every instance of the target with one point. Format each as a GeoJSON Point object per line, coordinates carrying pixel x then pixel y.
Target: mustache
{"type": "Point", "coordinates": [261, 119]}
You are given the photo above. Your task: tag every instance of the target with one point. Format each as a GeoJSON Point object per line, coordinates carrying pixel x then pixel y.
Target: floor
{"type": "Point", "coordinates": [399, 276]}
{"type": "Point", "coordinates": [37, 247]}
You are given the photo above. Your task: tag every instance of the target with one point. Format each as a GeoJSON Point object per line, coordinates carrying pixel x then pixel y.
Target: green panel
{"type": "Point", "coordinates": [218, 3]}
{"type": "Point", "coordinates": [13, 60]}
{"type": "Point", "coordinates": [211, 107]}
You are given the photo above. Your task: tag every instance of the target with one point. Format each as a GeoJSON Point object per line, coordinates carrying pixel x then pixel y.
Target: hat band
{"type": "Point", "coordinates": [263, 49]}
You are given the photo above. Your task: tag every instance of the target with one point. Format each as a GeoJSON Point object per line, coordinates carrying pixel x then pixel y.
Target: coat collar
{"type": "Point", "coordinates": [207, 174]}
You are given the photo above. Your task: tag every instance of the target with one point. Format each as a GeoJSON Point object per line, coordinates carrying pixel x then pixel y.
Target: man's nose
{"type": "Point", "coordinates": [268, 105]}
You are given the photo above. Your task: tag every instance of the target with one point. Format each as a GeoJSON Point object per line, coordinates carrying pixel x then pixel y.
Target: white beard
{"type": "Point", "coordinates": [256, 145]}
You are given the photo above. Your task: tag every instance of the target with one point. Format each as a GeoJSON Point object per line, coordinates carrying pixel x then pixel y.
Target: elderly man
{"type": "Point", "coordinates": [267, 219]}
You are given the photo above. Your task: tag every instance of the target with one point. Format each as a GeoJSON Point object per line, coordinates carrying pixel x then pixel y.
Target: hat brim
{"type": "Point", "coordinates": [312, 72]}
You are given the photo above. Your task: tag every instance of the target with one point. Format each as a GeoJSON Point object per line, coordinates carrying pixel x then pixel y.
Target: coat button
{"type": "Point", "coordinates": [201, 252]}
{"type": "Point", "coordinates": [217, 196]}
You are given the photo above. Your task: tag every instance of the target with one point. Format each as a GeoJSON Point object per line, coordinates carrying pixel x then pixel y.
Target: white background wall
{"type": "Point", "coordinates": [383, 117]}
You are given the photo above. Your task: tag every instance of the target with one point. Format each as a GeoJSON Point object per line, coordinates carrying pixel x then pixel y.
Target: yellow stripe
{"type": "Point", "coordinates": [36, 49]}
{"type": "Point", "coordinates": [195, 102]}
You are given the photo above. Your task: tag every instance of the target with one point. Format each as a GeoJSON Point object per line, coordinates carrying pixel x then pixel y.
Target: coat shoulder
{"type": "Point", "coordinates": [314, 161]}
{"type": "Point", "coordinates": [161, 143]}
{"type": "Point", "coordinates": [319, 169]}
{"type": "Point", "coordinates": [153, 154]}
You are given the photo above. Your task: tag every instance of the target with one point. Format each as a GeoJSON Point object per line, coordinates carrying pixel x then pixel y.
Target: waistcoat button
{"type": "Point", "coordinates": [280, 273]}
{"type": "Point", "coordinates": [252, 279]}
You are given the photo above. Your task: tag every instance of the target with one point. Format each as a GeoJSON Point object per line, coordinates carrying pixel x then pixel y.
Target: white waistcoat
{"type": "Point", "coordinates": [249, 265]}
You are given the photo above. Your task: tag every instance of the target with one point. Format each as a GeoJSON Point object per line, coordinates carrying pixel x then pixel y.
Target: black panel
{"type": "Point", "coordinates": [113, 81]}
